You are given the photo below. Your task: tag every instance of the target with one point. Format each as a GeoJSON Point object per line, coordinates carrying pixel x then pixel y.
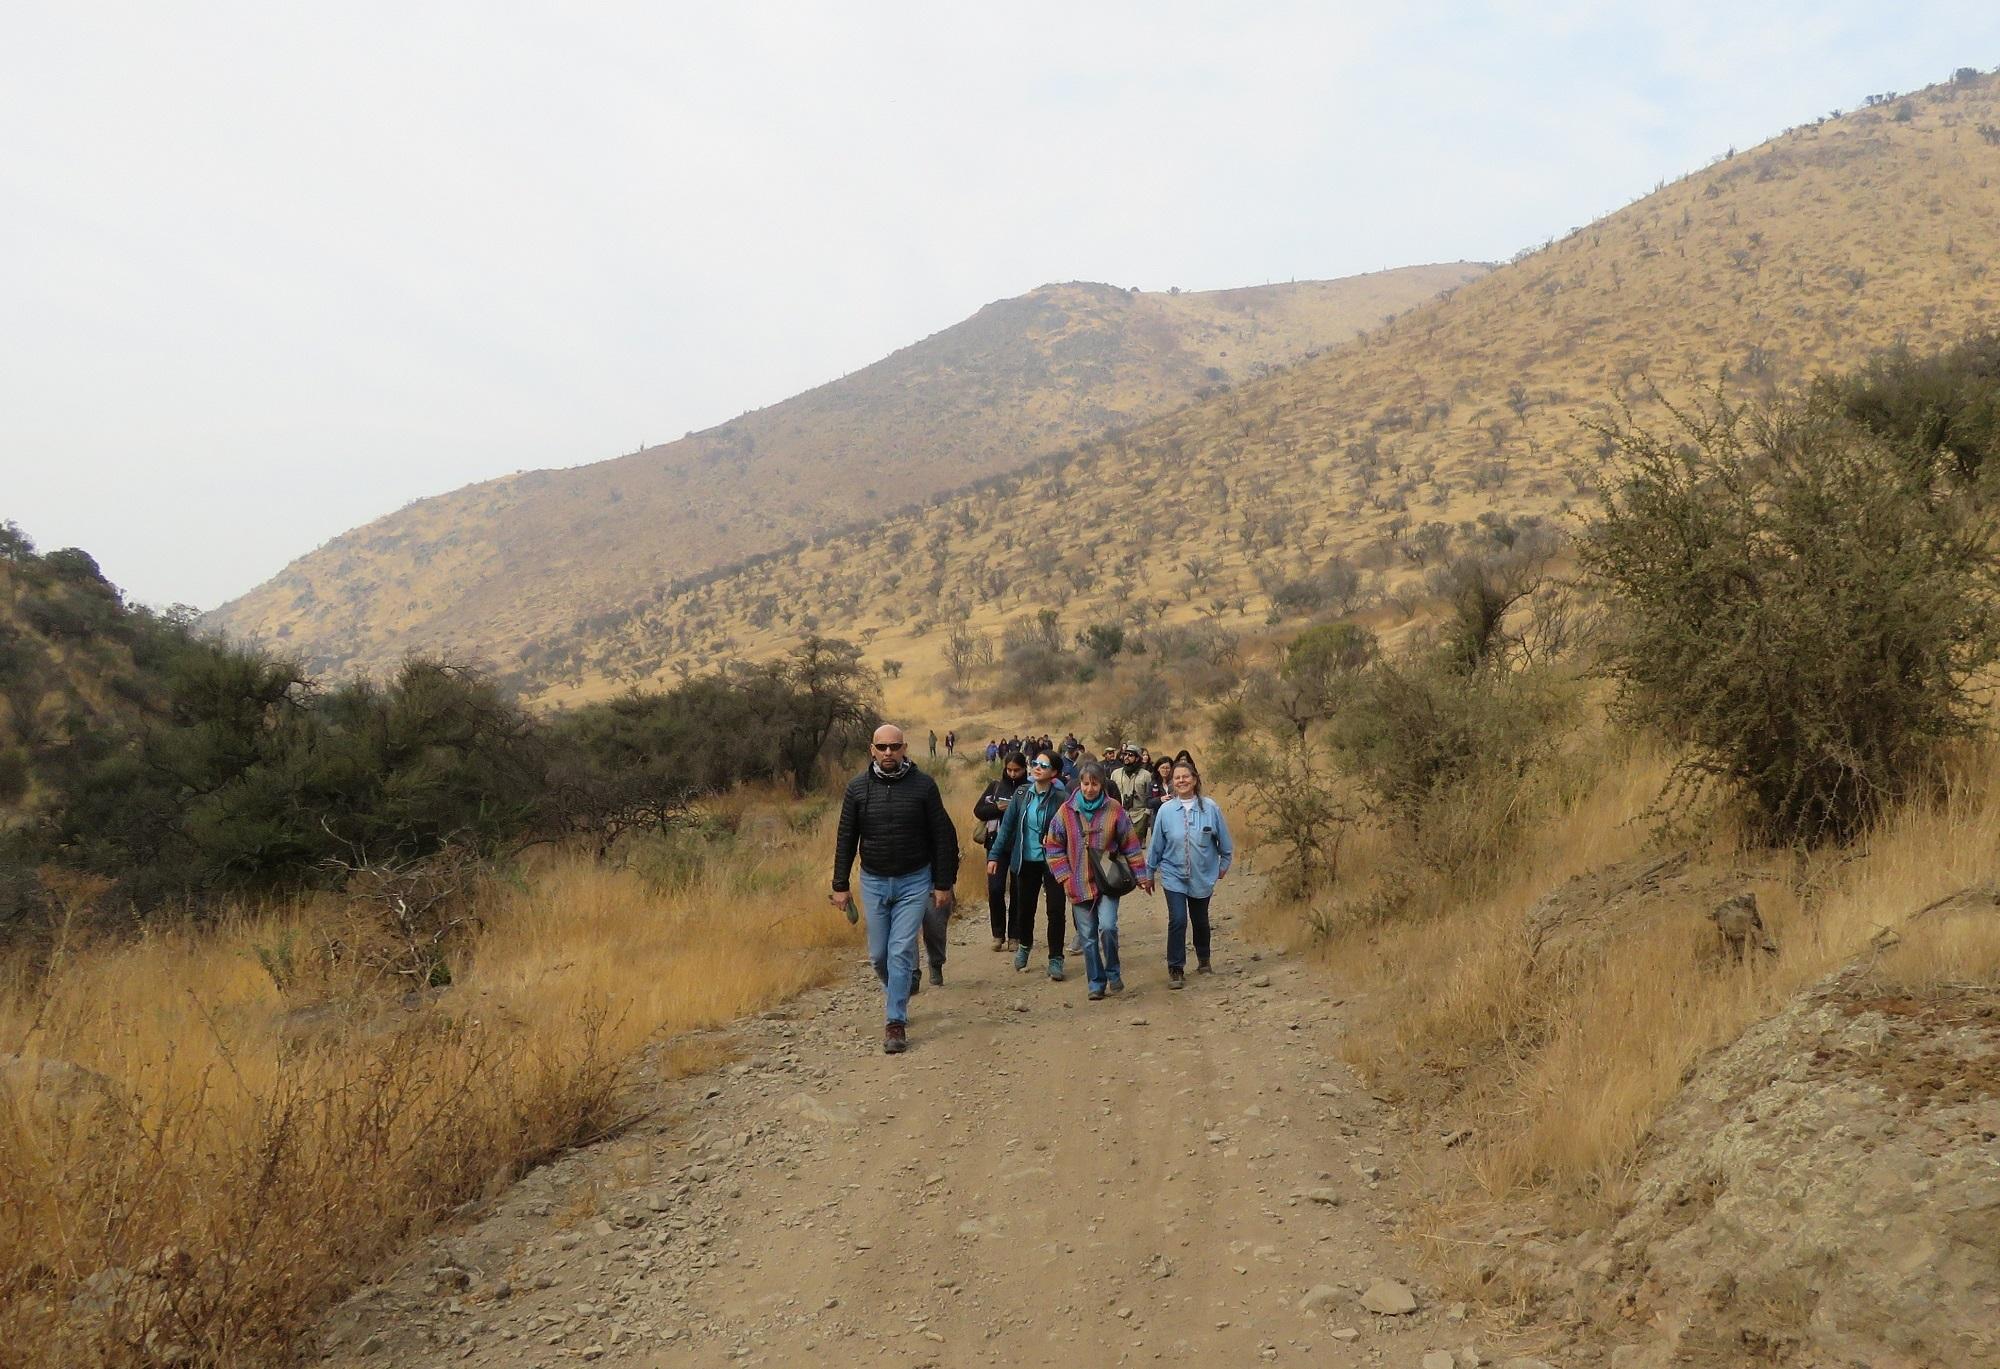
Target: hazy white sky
{"type": "Point", "coordinates": [268, 271]}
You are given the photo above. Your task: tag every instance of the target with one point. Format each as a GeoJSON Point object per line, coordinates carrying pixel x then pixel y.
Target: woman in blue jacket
{"type": "Point", "coordinates": [1017, 849]}
{"type": "Point", "coordinates": [1187, 855]}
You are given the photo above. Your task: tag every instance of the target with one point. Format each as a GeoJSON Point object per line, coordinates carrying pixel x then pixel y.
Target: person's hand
{"type": "Point", "coordinates": [843, 899]}
{"type": "Point", "coordinates": [992, 867]}
{"type": "Point", "coordinates": [942, 898]}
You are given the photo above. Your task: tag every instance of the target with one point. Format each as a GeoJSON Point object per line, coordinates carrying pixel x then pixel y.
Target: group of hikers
{"type": "Point", "coordinates": [1060, 829]}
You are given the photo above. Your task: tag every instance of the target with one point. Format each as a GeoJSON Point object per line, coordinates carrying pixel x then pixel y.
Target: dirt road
{"type": "Point", "coordinates": [1187, 1177]}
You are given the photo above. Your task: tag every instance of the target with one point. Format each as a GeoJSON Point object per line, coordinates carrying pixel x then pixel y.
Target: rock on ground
{"type": "Point", "coordinates": [1827, 1191]}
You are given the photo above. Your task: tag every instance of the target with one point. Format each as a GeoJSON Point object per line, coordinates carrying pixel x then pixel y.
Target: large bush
{"type": "Point", "coordinates": [1946, 405]}
{"type": "Point", "coordinates": [1799, 600]}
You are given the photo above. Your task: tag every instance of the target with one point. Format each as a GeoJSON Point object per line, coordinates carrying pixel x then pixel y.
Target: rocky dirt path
{"type": "Point", "coordinates": [1188, 1177]}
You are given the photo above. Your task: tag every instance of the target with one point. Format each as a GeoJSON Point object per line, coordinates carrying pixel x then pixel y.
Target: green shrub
{"type": "Point", "coordinates": [1318, 671]}
{"type": "Point", "coordinates": [1482, 592]}
{"type": "Point", "coordinates": [1798, 600]}
{"type": "Point", "coordinates": [1445, 754]}
{"type": "Point", "coordinates": [1947, 404]}
{"type": "Point", "coordinates": [13, 774]}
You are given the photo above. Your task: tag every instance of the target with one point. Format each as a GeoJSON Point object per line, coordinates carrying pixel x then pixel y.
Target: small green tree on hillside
{"type": "Point", "coordinates": [831, 692]}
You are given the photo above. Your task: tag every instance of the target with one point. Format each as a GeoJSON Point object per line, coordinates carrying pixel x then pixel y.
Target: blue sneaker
{"type": "Point", "coordinates": [1021, 958]}
{"type": "Point", "coordinates": [1055, 968]}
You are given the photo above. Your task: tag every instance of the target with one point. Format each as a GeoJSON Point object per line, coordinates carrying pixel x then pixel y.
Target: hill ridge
{"type": "Point", "coordinates": [498, 564]}
{"type": "Point", "coordinates": [1801, 255]}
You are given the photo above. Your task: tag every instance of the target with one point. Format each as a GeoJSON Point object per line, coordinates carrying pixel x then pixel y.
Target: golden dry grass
{"type": "Point", "coordinates": [198, 1156]}
{"type": "Point", "coordinates": [1561, 1040]}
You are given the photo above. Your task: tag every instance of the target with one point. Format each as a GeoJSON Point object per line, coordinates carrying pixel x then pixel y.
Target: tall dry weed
{"type": "Point", "coordinates": [205, 1137]}
{"type": "Point", "coordinates": [1560, 1044]}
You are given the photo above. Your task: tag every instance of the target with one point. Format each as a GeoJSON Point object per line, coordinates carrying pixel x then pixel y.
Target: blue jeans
{"type": "Point", "coordinates": [1180, 909]}
{"type": "Point", "coordinates": [895, 907]}
{"type": "Point", "coordinates": [1097, 924]}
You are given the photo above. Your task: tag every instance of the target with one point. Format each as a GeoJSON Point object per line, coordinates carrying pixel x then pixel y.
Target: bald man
{"type": "Point", "coordinates": [894, 816]}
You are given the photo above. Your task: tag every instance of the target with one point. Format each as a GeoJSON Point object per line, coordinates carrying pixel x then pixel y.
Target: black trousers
{"type": "Point", "coordinates": [937, 921]}
{"type": "Point", "coordinates": [996, 903]}
{"type": "Point", "coordinates": [1033, 882]}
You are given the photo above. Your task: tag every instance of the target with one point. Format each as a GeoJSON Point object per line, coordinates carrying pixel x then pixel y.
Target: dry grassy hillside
{"type": "Point", "coordinates": [1773, 264]}
{"type": "Point", "coordinates": [494, 566]}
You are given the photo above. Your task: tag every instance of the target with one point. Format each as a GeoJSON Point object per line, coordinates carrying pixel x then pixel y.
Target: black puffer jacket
{"type": "Point", "coordinates": [900, 827]}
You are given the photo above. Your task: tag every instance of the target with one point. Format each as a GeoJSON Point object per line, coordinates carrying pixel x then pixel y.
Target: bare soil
{"type": "Point", "coordinates": [1175, 1176]}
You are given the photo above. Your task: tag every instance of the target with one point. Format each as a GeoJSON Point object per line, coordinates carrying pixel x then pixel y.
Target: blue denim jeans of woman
{"type": "Point", "coordinates": [895, 906]}
{"type": "Point", "coordinates": [1181, 909]}
{"type": "Point", "coordinates": [1097, 924]}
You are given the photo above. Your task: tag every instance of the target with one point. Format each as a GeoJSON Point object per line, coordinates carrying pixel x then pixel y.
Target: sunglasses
{"type": "Point", "coordinates": [887, 746]}
{"type": "Point", "coordinates": [1042, 765]}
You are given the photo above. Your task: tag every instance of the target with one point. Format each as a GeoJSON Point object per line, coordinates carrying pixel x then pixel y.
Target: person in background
{"type": "Point", "coordinates": [990, 809]}
{"type": "Point", "coordinates": [1163, 781]}
{"type": "Point", "coordinates": [1092, 819]}
{"type": "Point", "coordinates": [1132, 782]}
{"type": "Point", "coordinates": [1189, 853]}
{"type": "Point", "coordinates": [933, 743]}
{"type": "Point", "coordinates": [894, 817]}
{"type": "Point", "coordinates": [1017, 849]}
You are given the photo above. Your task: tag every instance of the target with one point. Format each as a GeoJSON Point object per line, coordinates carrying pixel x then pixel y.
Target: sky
{"type": "Point", "coordinates": [269, 271]}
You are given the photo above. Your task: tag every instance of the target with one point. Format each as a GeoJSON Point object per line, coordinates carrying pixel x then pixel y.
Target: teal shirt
{"type": "Point", "coordinates": [1020, 836]}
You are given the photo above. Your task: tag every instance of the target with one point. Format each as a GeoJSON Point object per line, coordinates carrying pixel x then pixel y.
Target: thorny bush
{"type": "Point", "coordinates": [1800, 603]}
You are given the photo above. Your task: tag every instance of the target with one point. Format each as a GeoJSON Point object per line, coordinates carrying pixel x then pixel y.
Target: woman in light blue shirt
{"type": "Point", "coordinates": [1187, 855]}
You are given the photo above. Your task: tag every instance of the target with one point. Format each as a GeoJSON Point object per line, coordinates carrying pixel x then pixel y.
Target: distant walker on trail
{"type": "Point", "coordinates": [894, 816]}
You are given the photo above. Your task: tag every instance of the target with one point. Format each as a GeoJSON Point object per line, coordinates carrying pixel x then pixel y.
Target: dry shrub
{"type": "Point", "coordinates": [199, 1155]}
{"type": "Point", "coordinates": [1454, 760]}
{"type": "Point", "coordinates": [1563, 1060]}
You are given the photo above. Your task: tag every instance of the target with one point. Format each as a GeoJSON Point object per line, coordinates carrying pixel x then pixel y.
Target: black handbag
{"type": "Point", "coordinates": [1111, 872]}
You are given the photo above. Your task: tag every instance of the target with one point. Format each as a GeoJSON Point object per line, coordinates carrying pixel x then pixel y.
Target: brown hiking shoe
{"type": "Point", "coordinates": [1176, 979]}
{"type": "Point", "coordinates": [895, 1039]}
